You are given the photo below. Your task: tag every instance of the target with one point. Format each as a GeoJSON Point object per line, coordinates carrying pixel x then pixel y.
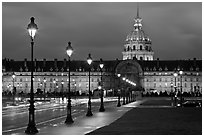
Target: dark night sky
{"type": "Point", "coordinates": [100, 29]}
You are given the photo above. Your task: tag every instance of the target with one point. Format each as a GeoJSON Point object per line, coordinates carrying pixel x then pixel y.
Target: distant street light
{"type": "Point", "coordinates": [54, 82]}
{"type": "Point", "coordinates": [62, 90]}
{"type": "Point", "coordinates": [44, 80]}
{"type": "Point", "coordinates": [69, 119]}
{"type": "Point", "coordinates": [124, 79]}
{"type": "Point", "coordinates": [89, 61]}
{"type": "Point", "coordinates": [172, 93]}
{"type": "Point", "coordinates": [175, 75]}
{"type": "Point", "coordinates": [13, 76]}
{"type": "Point", "coordinates": [181, 73]}
{"type": "Point", "coordinates": [119, 90]}
{"type": "Point", "coordinates": [31, 129]}
{"type": "Point", "coordinates": [102, 109]}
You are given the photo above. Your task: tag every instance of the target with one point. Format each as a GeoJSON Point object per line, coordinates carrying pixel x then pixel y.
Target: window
{"type": "Point", "coordinates": [141, 58]}
{"type": "Point", "coordinates": [133, 47]}
{"type": "Point", "coordinates": [140, 47]}
{"type": "Point", "coordinates": [128, 48]}
{"type": "Point", "coordinates": [154, 85]}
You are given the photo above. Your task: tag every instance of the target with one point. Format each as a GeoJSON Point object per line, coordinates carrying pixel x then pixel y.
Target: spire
{"type": "Point", "coordinates": [137, 10]}
{"type": "Point", "coordinates": [138, 20]}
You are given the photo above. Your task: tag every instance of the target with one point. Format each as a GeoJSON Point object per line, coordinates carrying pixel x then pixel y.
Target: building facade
{"type": "Point", "coordinates": [137, 65]}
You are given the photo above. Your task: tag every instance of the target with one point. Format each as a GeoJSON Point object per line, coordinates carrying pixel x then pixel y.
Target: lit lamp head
{"type": "Point", "coordinates": [54, 81]}
{"type": "Point", "coordinates": [32, 28]}
{"type": "Point", "coordinates": [101, 63]}
{"type": "Point", "coordinates": [118, 75]}
{"type": "Point", "coordinates": [172, 84]}
{"type": "Point", "coordinates": [175, 74]}
{"type": "Point", "coordinates": [89, 59]}
{"type": "Point", "coordinates": [99, 87]}
{"type": "Point", "coordinates": [124, 78]}
{"type": "Point", "coordinates": [62, 82]}
{"type": "Point", "coordinates": [180, 72]}
{"type": "Point", "coordinates": [69, 49]}
{"type": "Point", "coordinates": [44, 80]}
{"type": "Point", "coordinates": [13, 75]}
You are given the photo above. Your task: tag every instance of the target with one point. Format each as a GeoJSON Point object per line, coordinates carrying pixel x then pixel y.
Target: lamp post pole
{"type": "Point", "coordinates": [31, 129]}
{"type": "Point", "coordinates": [119, 90]}
{"type": "Point", "coordinates": [89, 113]}
{"type": "Point", "coordinates": [102, 109]}
{"type": "Point", "coordinates": [69, 119]}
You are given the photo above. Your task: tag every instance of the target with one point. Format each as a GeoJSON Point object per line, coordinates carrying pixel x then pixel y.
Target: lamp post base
{"type": "Point", "coordinates": [31, 129]}
{"type": "Point", "coordinates": [69, 120]}
{"type": "Point", "coordinates": [118, 105]}
{"type": "Point", "coordinates": [89, 113]}
{"type": "Point", "coordinates": [102, 109]}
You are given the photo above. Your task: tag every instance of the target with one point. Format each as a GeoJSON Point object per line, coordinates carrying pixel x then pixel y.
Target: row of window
{"type": "Point", "coordinates": [171, 74]}
{"type": "Point", "coordinates": [171, 79]}
{"type": "Point", "coordinates": [155, 85]}
{"type": "Point", "coordinates": [128, 48]}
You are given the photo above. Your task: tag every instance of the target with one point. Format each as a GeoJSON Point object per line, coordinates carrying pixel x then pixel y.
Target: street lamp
{"type": "Point", "coordinates": [124, 79]}
{"type": "Point", "coordinates": [13, 76]}
{"type": "Point", "coordinates": [54, 82]}
{"type": "Point", "coordinates": [172, 93]}
{"type": "Point", "coordinates": [69, 119]}
{"type": "Point", "coordinates": [44, 80]}
{"type": "Point", "coordinates": [175, 75]}
{"type": "Point", "coordinates": [62, 90]}
{"type": "Point", "coordinates": [102, 109]}
{"type": "Point", "coordinates": [31, 129]}
{"type": "Point", "coordinates": [118, 105]}
{"type": "Point", "coordinates": [181, 73]}
{"type": "Point", "coordinates": [89, 61]}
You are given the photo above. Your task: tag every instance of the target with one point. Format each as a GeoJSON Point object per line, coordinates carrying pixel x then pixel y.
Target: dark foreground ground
{"type": "Point", "coordinates": [156, 119]}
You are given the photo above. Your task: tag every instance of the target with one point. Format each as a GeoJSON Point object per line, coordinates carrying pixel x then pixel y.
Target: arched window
{"type": "Point", "coordinates": [128, 48]}
{"type": "Point", "coordinates": [140, 47]}
{"type": "Point", "coordinates": [133, 47]}
{"type": "Point", "coordinates": [141, 58]}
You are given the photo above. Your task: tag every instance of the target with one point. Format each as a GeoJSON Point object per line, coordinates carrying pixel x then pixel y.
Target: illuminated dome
{"type": "Point", "coordinates": [138, 45]}
{"type": "Point", "coordinates": [138, 34]}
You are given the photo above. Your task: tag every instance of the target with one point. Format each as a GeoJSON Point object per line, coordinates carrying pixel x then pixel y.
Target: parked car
{"type": "Point", "coordinates": [191, 104]}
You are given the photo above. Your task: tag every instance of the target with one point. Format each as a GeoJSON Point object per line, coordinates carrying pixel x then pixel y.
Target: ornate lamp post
{"type": "Point", "coordinates": [181, 73]}
{"type": "Point", "coordinates": [31, 129]}
{"type": "Point", "coordinates": [118, 105]}
{"type": "Point", "coordinates": [13, 76]}
{"type": "Point", "coordinates": [44, 80]}
{"type": "Point", "coordinates": [69, 119]}
{"type": "Point", "coordinates": [102, 109]}
{"type": "Point", "coordinates": [89, 113]}
{"type": "Point", "coordinates": [175, 75]}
